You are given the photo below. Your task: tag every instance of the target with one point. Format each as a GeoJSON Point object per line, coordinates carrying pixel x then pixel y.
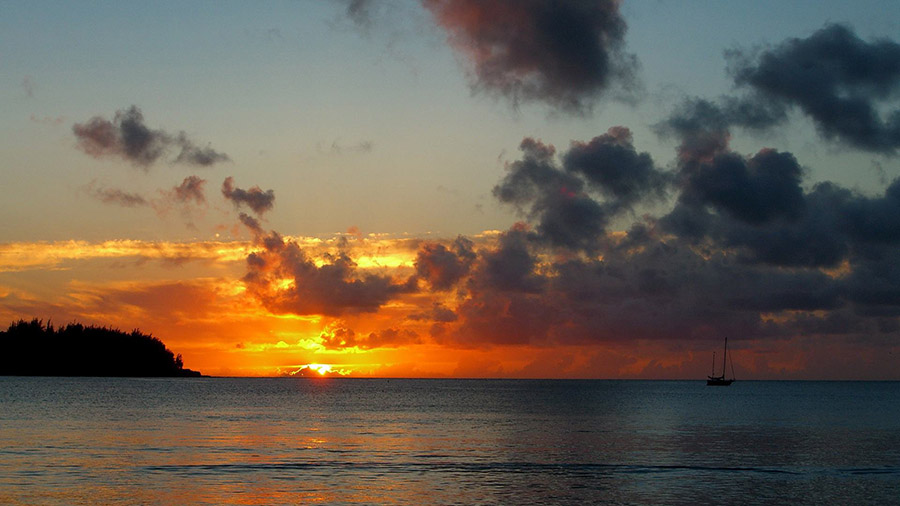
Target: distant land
{"type": "Point", "coordinates": [34, 349]}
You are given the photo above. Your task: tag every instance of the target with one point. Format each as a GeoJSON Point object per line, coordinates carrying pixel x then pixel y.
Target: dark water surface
{"type": "Point", "coordinates": [357, 441]}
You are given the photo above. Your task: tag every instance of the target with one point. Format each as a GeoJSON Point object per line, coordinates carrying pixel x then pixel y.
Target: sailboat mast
{"type": "Point", "coordinates": [732, 369]}
{"type": "Point", "coordinates": [724, 357]}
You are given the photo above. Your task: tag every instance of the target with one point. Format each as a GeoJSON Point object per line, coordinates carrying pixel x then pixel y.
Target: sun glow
{"type": "Point", "coordinates": [318, 370]}
{"type": "Point", "coordinates": [322, 369]}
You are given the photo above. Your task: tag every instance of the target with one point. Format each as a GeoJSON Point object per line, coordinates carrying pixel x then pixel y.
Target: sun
{"type": "Point", "coordinates": [322, 369]}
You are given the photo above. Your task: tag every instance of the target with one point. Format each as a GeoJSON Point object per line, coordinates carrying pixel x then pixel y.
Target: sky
{"type": "Point", "coordinates": [457, 188]}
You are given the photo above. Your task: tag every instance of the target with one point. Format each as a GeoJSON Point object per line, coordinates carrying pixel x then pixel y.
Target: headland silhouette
{"type": "Point", "coordinates": [34, 349]}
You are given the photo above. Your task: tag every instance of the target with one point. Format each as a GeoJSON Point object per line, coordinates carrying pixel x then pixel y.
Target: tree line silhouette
{"type": "Point", "coordinates": [34, 349]}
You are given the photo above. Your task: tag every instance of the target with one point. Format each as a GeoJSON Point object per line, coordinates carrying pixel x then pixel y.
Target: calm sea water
{"type": "Point", "coordinates": [289, 441]}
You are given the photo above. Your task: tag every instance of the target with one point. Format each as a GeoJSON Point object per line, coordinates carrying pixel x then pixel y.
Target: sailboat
{"type": "Point", "coordinates": [720, 381]}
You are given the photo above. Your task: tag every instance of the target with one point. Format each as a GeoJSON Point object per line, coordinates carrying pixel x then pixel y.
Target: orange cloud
{"type": "Point", "coordinates": [18, 256]}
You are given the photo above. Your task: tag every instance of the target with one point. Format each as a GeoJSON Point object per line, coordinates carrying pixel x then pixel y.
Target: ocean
{"type": "Point", "coordinates": [402, 441]}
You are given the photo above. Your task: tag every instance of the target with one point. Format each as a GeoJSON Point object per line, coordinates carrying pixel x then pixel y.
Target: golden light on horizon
{"type": "Point", "coordinates": [318, 370]}
{"type": "Point", "coordinates": [322, 369]}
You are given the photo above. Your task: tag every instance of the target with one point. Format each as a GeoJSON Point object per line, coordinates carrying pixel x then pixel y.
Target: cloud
{"type": "Point", "coordinates": [186, 198]}
{"type": "Point", "coordinates": [254, 198]}
{"type": "Point", "coordinates": [191, 189]}
{"type": "Point", "coordinates": [565, 54]}
{"type": "Point", "coordinates": [287, 280]}
{"type": "Point", "coordinates": [120, 197]}
{"type": "Point", "coordinates": [342, 338]}
{"type": "Point", "coordinates": [359, 11]}
{"type": "Point", "coordinates": [611, 164]}
{"type": "Point", "coordinates": [754, 190]}
{"type": "Point", "coordinates": [644, 287]}
{"type": "Point", "coordinates": [251, 223]}
{"type": "Point", "coordinates": [336, 148]}
{"type": "Point", "coordinates": [28, 86]}
{"type": "Point", "coordinates": [703, 126]}
{"type": "Point", "coordinates": [565, 214]}
{"type": "Point", "coordinates": [443, 267]}
{"type": "Point", "coordinates": [511, 266]}
{"type": "Point", "coordinates": [48, 120]}
{"type": "Point", "coordinates": [18, 256]}
{"type": "Point", "coordinates": [756, 205]}
{"type": "Point", "coordinates": [116, 196]}
{"type": "Point", "coordinates": [837, 79]}
{"type": "Point", "coordinates": [437, 313]}
{"type": "Point", "coordinates": [127, 137]}
{"type": "Point", "coordinates": [572, 203]}
{"type": "Point", "coordinates": [844, 84]}
{"type": "Point", "coordinates": [192, 154]}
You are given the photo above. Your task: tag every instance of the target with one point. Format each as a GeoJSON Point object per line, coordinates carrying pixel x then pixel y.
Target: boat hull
{"type": "Point", "coordinates": [718, 382]}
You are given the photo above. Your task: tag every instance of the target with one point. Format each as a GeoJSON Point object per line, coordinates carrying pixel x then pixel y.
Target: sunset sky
{"type": "Point", "coordinates": [460, 188]}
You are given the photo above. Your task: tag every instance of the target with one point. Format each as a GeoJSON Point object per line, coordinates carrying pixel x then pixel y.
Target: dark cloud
{"type": "Point", "coordinates": [565, 54]}
{"type": "Point", "coordinates": [755, 190]}
{"type": "Point", "coordinates": [844, 84]}
{"type": "Point", "coordinates": [438, 313]}
{"type": "Point", "coordinates": [644, 287]}
{"type": "Point", "coordinates": [333, 288]}
{"type": "Point", "coordinates": [338, 339]}
{"type": "Point", "coordinates": [359, 11]}
{"type": "Point", "coordinates": [572, 204]}
{"type": "Point", "coordinates": [127, 137]}
{"type": "Point", "coordinates": [753, 204]}
{"type": "Point", "coordinates": [697, 117]}
{"type": "Point", "coordinates": [874, 284]}
{"type": "Point", "coordinates": [703, 127]}
{"type": "Point", "coordinates": [255, 198]}
{"type": "Point", "coordinates": [342, 338]}
{"type": "Point", "coordinates": [251, 223]}
{"type": "Point", "coordinates": [757, 207]}
{"type": "Point", "coordinates": [839, 80]}
{"type": "Point", "coordinates": [511, 266]}
{"type": "Point", "coordinates": [443, 267]}
{"type": "Point", "coordinates": [564, 214]}
{"type": "Point", "coordinates": [489, 318]}
{"type": "Point", "coordinates": [813, 240]}
{"type": "Point", "coordinates": [873, 220]}
{"type": "Point", "coordinates": [194, 155]}
{"type": "Point", "coordinates": [611, 164]}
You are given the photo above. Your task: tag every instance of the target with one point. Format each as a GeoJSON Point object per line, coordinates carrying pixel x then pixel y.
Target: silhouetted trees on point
{"type": "Point", "coordinates": [34, 349]}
